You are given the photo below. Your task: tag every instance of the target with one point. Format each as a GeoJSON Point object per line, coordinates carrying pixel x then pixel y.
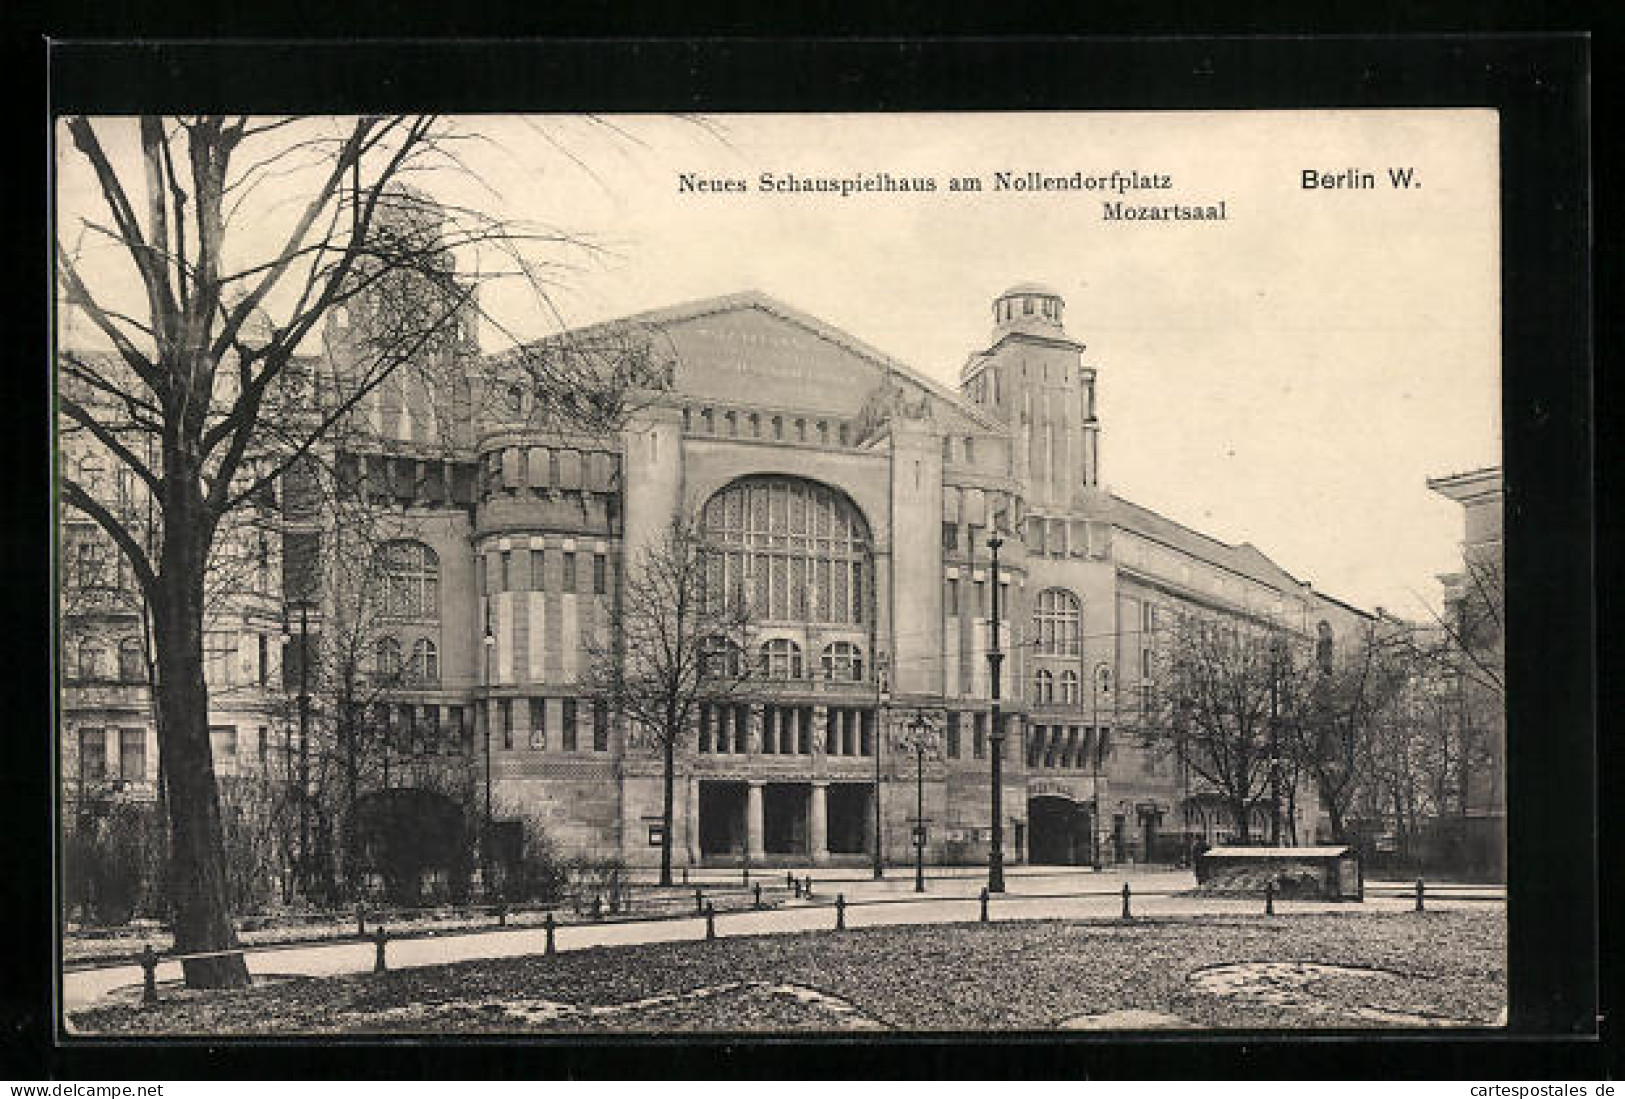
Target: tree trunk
{"type": "Point", "coordinates": [668, 780]}
{"type": "Point", "coordinates": [1239, 813]}
{"type": "Point", "coordinates": [199, 899]}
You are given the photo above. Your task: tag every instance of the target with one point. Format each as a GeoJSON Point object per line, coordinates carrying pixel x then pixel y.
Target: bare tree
{"type": "Point", "coordinates": [675, 641]}
{"type": "Point", "coordinates": [217, 294]}
{"type": "Point", "coordinates": [1218, 685]}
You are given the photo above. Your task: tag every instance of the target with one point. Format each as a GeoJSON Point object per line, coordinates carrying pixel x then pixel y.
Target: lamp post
{"type": "Point", "coordinates": [1100, 683]}
{"type": "Point", "coordinates": [919, 728]}
{"type": "Point", "coordinates": [882, 700]}
{"type": "Point", "coordinates": [995, 661]}
{"type": "Point", "coordinates": [303, 868]}
{"type": "Point", "coordinates": [1275, 741]}
{"type": "Point", "coordinates": [485, 832]}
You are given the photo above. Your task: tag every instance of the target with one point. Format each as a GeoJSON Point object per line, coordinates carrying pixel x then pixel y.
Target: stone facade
{"type": "Point", "coordinates": [532, 529]}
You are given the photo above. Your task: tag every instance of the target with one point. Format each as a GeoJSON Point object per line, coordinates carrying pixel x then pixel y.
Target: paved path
{"type": "Point", "coordinates": [950, 898]}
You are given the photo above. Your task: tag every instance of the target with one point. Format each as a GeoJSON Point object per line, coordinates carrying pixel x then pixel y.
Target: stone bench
{"type": "Point", "coordinates": [1320, 873]}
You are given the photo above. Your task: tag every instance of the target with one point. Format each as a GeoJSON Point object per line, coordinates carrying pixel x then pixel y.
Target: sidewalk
{"type": "Point", "coordinates": [951, 897]}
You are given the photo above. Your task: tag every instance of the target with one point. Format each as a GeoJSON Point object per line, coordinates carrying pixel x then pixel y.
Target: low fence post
{"type": "Point", "coordinates": [758, 894]}
{"type": "Point", "coordinates": [1420, 888]}
{"type": "Point", "coordinates": [685, 875]}
{"type": "Point", "coordinates": [1127, 915]}
{"type": "Point", "coordinates": [840, 911]}
{"type": "Point", "coordinates": [597, 906]}
{"type": "Point", "coordinates": [806, 890]}
{"type": "Point", "coordinates": [360, 920]}
{"type": "Point", "coordinates": [747, 876]}
{"type": "Point", "coordinates": [699, 903]}
{"type": "Point", "coordinates": [710, 921]}
{"type": "Point", "coordinates": [379, 938]}
{"type": "Point", "coordinates": [984, 904]}
{"type": "Point", "coordinates": [790, 882]}
{"type": "Point", "coordinates": [502, 915]}
{"type": "Point", "coordinates": [548, 924]}
{"type": "Point", "coordinates": [149, 974]}
{"type": "Point", "coordinates": [1269, 898]}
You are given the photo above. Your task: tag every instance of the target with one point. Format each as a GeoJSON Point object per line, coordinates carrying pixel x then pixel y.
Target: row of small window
{"type": "Point", "coordinates": [785, 730]}
{"type": "Point", "coordinates": [1067, 747]}
{"type": "Point", "coordinates": [751, 425]}
{"type": "Point", "coordinates": [978, 602]}
{"type": "Point", "coordinates": [509, 575]}
{"type": "Point", "coordinates": [569, 726]}
{"type": "Point", "coordinates": [953, 739]}
{"type": "Point", "coordinates": [94, 663]}
{"type": "Point", "coordinates": [131, 764]}
{"type": "Point", "coordinates": [422, 667]}
{"type": "Point", "coordinates": [780, 658]}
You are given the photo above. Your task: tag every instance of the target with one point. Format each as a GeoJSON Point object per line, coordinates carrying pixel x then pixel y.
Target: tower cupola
{"type": "Point", "coordinates": [1028, 307]}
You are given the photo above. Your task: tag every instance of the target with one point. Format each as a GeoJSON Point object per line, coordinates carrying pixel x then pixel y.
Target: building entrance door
{"type": "Point", "coordinates": [784, 817]}
{"type": "Point", "coordinates": [722, 818]}
{"type": "Point", "coordinates": [1057, 831]}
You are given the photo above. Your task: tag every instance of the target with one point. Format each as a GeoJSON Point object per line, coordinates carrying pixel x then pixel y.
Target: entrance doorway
{"type": "Point", "coordinates": [1058, 831]}
{"type": "Point", "coordinates": [784, 817]}
{"type": "Point", "coordinates": [722, 818]}
{"type": "Point", "coordinates": [851, 820]}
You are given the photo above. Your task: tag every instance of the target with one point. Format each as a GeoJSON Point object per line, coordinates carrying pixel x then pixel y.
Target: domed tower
{"type": "Point", "coordinates": [1033, 377]}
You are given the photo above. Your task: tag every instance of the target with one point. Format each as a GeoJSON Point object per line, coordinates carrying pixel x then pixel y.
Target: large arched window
{"type": "Point", "coordinates": [1057, 623]}
{"type": "Point", "coordinates": [843, 661]}
{"type": "Point", "coordinates": [1043, 687]}
{"type": "Point", "coordinates": [408, 578]}
{"type": "Point", "coordinates": [781, 659]}
{"type": "Point", "coordinates": [795, 551]}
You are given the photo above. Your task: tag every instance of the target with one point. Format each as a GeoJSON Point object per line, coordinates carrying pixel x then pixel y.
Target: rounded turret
{"type": "Point", "coordinates": [1028, 307]}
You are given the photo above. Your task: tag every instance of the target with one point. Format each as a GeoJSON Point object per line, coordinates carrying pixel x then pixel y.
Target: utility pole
{"type": "Point", "coordinates": [485, 832]}
{"type": "Point", "coordinates": [995, 661]}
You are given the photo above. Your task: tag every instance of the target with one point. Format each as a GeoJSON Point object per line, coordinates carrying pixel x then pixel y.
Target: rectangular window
{"type": "Point", "coordinates": [265, 747]}
{"type": "Point", "coordinates": [568, 735]}
{"type": "Point", "coordinates": [952, 599]}
{"type": "Point", "coordinates": [569, 572]}
{"type": "Point", "coordinates": [600, 725]}
{"type": "Point", "coordinates": [981, 599]}
{"type": "Point", "coordinates": [223, 739]}
{"type": "Point", "coordinates": [92, 755]}
{"type": "Point", "coordinates": [538, 569]}
{"type": "Point", "coordinates": [600, 574]}
{"type": "Point", "coordinates": [538, 724]}
{"type": "Point", "coordinates": [505, 715]}
{"type": "Point", "coordinates": [463, 734]}
{"type": "Point", "coordinates": [265, 659]}
{"type": "Point", "coordinates": [979, 736]}
{"type": "Point", "coordinates": [950, 537]}
{"type": "Point", "coordinates": [953, 734]}
{"type": "Point", "coordinates": [507, 571]}
{"type": "Point", "coordinates": [431, 729]}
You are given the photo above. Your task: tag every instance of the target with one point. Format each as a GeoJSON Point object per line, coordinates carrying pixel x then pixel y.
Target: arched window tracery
{"type": "Point", "coordinates": [793, 550]}
{"type": "Point", "coordinates": [407, 575]}
{"type": "Point", "coordinates": [1057, 623]}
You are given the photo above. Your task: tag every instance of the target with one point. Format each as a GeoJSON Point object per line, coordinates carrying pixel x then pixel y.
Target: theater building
{"type": "Point", "coordinates": [853, 498]}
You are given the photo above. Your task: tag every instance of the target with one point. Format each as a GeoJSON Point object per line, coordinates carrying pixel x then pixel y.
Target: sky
{"type": "Point", "coordinates": [1289, 376]}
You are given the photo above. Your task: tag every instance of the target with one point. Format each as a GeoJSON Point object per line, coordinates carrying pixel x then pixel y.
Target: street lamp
{"type": "Point", "coordinates": [1100, 684]}
{"type": "Point", "coordinates": [303, 870]}
{"type": "Point", "coordinates": [995, 661]}
{"type": "Point", "coordinates": [919, 728]}
{"type": "Point", "coordinates": [485, 833]}
{"type": "Point", "coordinates": [882, 700]}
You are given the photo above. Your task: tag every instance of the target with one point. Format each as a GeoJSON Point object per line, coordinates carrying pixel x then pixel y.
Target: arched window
{"type": "Point", "coordinates": [92, 564]}
{"type": "Point", "coordinates": [516, 400]}
{"type": "Point", "coordinates": [388, 651]}
{"type": "Point", "coordinates": [723, 658]}
{"type": "Point", "coordinates": [425, 666]}
{"type": "Point", "coordinates": [1057, 623]}
{"type": "Point", "coordinates": [793, 550]}
{"type": "Point", "coordinates": [843, 661]}
{"type": "Point", "coordinates": [781, 659]}
{"type": "Point", "coordinates": [408, 578]}
{"type": "Point", "coordinates": [1069, 687]}
{"type": "Point", "coordinates": [132, 662]}
{"type": "Point", "coordinates": [1043, 687]}
{"type": "Point", "coordinates": [92, 659]}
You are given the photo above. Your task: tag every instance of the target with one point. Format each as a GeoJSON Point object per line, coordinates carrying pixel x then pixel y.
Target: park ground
{"type": "Point", "coordinates": [1309, 969]}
